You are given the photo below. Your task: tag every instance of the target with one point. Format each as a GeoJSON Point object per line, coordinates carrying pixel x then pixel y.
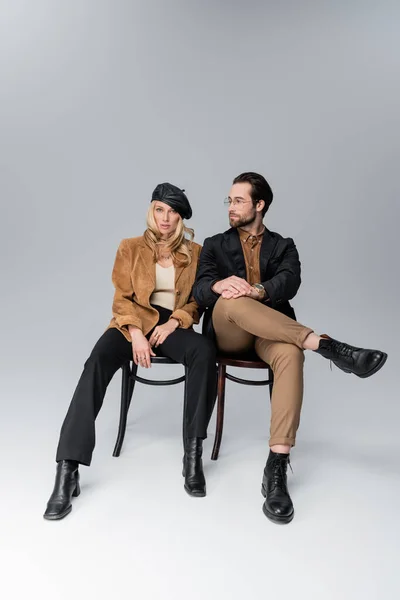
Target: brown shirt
{"type": "Point", "coordinates": [251, 245]}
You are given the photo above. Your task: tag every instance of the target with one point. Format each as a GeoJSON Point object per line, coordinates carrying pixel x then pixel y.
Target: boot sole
{"type": "Point", "coordinates": [58, 517]}
{"type": "Point", "coordinates": [274, 518]}
{"type": "Point", "coordinates": [66, 512]}
{"type": "Point", "coordinates": [193, 494]}
{"type": "Point", "coordinates": [375, 369]}
{"type": "Point", "coordinates": [277, 520]}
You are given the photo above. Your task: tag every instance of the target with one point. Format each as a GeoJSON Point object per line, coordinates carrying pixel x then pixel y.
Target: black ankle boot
{"type": "Point", "coordinates": [195, 483]}
{"type": "Point", "coordinates": [278, 506]}
{"type": "Point", "coordinates": [350, 359]}
{"type": "Point", "coordinates": [65, 486]}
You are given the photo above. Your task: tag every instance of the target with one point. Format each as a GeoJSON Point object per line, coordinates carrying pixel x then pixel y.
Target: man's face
{"type": "Point", "coordinates": [241, 209]}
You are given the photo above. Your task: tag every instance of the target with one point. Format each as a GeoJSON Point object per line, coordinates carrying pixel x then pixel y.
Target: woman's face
{"type": "Point", "coordinates": [166, 218]}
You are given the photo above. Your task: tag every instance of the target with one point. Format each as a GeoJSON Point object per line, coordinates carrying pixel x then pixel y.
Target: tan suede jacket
{"type": "Point", "coordinates": [134, 277]}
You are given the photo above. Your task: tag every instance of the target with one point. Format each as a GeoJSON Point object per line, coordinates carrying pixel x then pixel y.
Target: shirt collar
{"type": "Point", "coordinates": [245, 235]}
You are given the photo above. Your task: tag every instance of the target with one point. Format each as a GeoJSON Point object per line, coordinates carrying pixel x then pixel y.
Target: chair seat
{"type": "Point", "coordinates": [248, 360]}
{"type": "Point", "coordinates": [163, 360]}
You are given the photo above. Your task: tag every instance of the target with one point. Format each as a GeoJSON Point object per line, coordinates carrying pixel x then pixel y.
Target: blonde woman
{"type": "Point", "coordinates": [153, 312]}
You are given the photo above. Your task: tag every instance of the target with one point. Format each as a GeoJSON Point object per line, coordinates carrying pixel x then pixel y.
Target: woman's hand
{"type": "Point", "coordinates": [161, 332]}
{"type": "Point", "coordinates": [141, 348]}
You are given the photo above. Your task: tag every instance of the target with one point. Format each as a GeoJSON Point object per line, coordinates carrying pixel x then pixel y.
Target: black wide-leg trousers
{"type": "Point", "coordinates": [77, 437]}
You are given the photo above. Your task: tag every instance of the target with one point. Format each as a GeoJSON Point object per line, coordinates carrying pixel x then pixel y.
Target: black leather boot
{"type": "Point", "coordinates": [350, 359]}
{"type": "Point", "coordinates": [195, 483]}
{"type": "Point", "coordinates": [65, 486]}
{"type": "Point", "coordinates": [278, 506]}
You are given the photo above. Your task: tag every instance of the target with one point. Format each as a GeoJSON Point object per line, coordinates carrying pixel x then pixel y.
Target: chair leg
{"type": "Point", "coordinates": [127, 387]}
{"type": "Point", "coordinates": [132, 382]}
{"type": "Point", "coordinates": [220, 411]}
{"type": "Point", "coordinates": [185, 399]}
{"type": "Point", "coordinates": [270, 385]}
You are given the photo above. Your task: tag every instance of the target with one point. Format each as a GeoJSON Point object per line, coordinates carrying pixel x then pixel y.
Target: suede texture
{"type": "Point", "coordinates": [134, 277]}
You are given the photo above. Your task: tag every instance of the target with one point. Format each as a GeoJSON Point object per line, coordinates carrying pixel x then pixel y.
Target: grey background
{"type": "Point", "coordinates": [99, 102]}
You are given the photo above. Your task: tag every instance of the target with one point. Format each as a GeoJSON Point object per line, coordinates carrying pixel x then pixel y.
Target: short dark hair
{"type": "Point", "coordinates": [260, 189]}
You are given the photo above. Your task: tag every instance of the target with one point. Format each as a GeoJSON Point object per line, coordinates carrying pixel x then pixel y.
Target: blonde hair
{"type": "Point", "coordinates": [178, 244]}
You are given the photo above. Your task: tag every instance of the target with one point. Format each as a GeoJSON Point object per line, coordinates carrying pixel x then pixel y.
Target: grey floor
{"type": "Point", "coordinates": [100, 101]}
{"type": "Point", "coordinates": [134, 532]}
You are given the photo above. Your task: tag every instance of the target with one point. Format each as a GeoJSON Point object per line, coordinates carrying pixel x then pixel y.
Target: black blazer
{"type": "Point", "coordinates": [222, 256]}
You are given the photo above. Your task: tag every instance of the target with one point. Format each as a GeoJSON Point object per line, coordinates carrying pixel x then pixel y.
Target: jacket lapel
{"type": "Point", "coordinates": [267, 246]}
{"type": "Point", "coordinates": [149, 266]}
{"type": "Point", "coordinates": [233, 248]}
{"type": "Point", "coordinates": [146, 257]}
{"type": "Point", "coordinates": [178, 273]}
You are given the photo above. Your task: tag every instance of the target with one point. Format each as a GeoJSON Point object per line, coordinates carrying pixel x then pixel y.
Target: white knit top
{"type": "Point", "coordinates": [164, 292]}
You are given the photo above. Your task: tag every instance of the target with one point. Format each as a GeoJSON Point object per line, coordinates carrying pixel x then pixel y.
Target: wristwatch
{"type": "Point", "coordinates": [260, 289]}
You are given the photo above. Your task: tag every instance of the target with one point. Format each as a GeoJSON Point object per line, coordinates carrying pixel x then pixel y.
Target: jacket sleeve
{"type": "Point", "coordinates": [284, 284]}
{"type": "Point", "coordinates": [123, 307]}
{"type": "Point", "coordinates": [207, 275]}
{"type": "Point", "coordinates": [188, 315]}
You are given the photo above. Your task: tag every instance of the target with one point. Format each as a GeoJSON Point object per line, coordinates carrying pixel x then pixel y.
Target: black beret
{"type": "Point", "coordinates": [174, 197]}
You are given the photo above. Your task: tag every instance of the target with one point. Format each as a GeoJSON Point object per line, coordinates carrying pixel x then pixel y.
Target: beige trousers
{"type": "Point", "coordinates": [242, 324]}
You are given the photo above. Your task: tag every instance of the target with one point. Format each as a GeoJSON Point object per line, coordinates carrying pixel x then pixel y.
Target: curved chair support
{"type": "Point", "coordinates": [247, 381]}
{"type": "Point", "coordinates": [129, 378]}
{"type": "Point", "coordinates": [160, 382]}
{"type": "Point", "coordinates": [247, 362]}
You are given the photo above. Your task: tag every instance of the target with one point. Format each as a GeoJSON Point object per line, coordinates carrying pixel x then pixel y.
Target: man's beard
{"type": "Point", "coordinates": [242, 222]}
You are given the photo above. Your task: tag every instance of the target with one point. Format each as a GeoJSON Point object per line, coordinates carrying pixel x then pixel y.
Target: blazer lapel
{"type": "Point", "coordinates": [178, 273]}
{"type": "Point", "coordinates": [146, 257]}
{"type": "Point", "coordinates": [233, 249]}
{"type": "Point", "coordinates": [267, 246]}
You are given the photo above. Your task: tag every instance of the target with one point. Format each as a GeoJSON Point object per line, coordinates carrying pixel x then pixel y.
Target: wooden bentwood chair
{"type": "Point", "coordinates": [129, 378]}
{"type": "Point", "coordinates": [248, 360]}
